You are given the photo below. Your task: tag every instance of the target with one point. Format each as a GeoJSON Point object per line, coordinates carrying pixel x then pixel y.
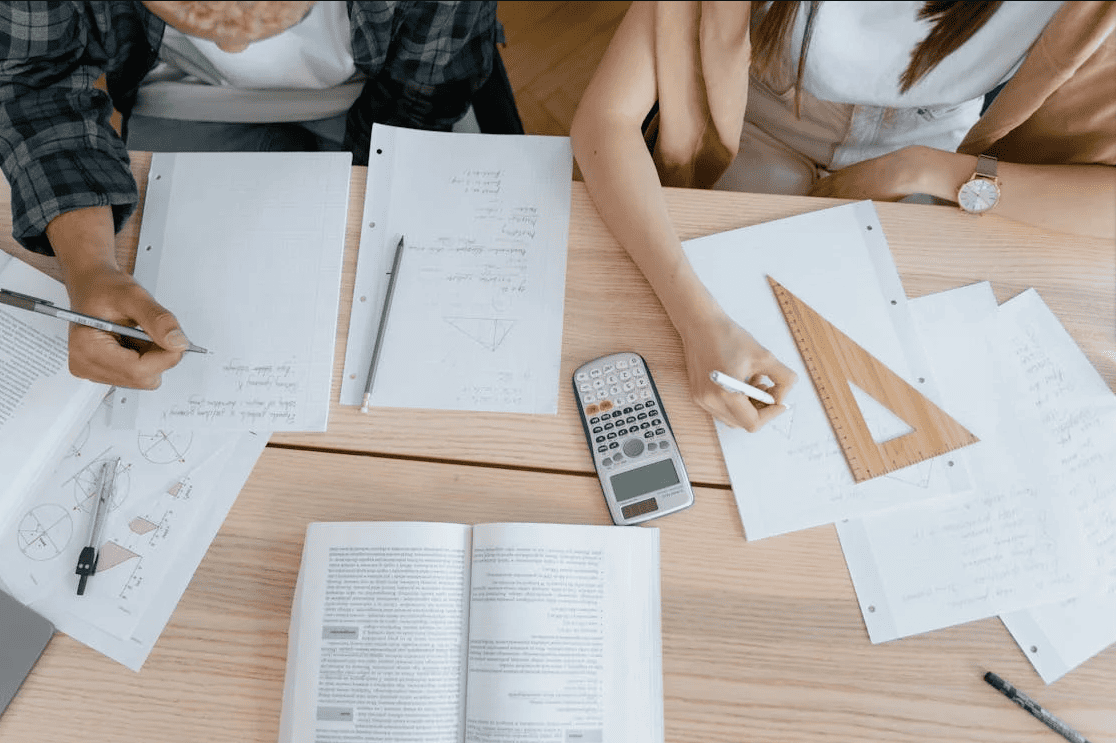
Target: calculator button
{"type": "Point", "coordinates": [617, 457]}
{"type": "Point", "coordinates": [602, 448]}
{"type": "Point", "coordinates": [607, 461]}
{"type": "Point", "coordinates": [608, 425]}
{"type": "Point", "coordinates": [630, 419]}
{"type": "Point", "coordinates": [592, 410]}
{"type": "Point", "coordinates": [664, 444]}
{"type": "Point", "coordinates": [648, 434]}
{"type": "Point", "coordinates": [608, 368]}
{"type": "Point", "coordinates": [639, 406]}
{"type": "Point", "coordinates": [645, 394]}
{"type": "Point", "coordinates": [611, 434]}
{"type": "Point", "coordinates": [606, 405]}
{"type": "Point", "coordinates": [582, 376]}
{"type": "Point", "coordinates": [594, 419]}
{"type": "Point", "coordinates": [600, 439]}
{"type": "Point", "coordinates": [612, 379]}
{"type": "Point", "coordinates": [596, 429]}
{"type": "Point", "coordinates": [645, 424]}
{"type": "Point", "coordinates": [633, 447]}
{"type": "Point", "coordinates": [637, 370]}
{"type": "Point", "coordinates": [601, 395]}
{"type": "Point", "coordinates": [627, 410]}
{"type": "Point", "coordinates": [585, 386]}
{"type": "Point", "coordinates": [594, 373]}
{"type": "Point", "coordinates": [641, 382]}
{"type": "Point", "coordinates": [587, 399]}
{"type": "Point", "coordinates": [641, 416]}
{"type": "Point", "coordinates": [613, 445]}
{"type": "Point", "coordinates": [625, 375]}
{"type": "Point", "coordinates": [598, 383]}
{"type": "Point", "coordinates": [622, 364]}
{"type": "Point", "coordinates": [614, 390]}
{"type": "Point", "coordinates": [657, 422]}
{"type": "Point", "coordinates": [652, 446]}
{"type": "Point", "coordinates": [660, 431]}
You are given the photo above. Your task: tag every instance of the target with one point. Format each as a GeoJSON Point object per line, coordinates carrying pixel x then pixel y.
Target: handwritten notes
{"type": "Point", "coordinates": [476, 318]}
{"type": "Point", "coordinates": [246, 250]}
{"type": "Point", "coordinates": [792, 474]}
{"type": "Point", "coordinates": [1011, 543]}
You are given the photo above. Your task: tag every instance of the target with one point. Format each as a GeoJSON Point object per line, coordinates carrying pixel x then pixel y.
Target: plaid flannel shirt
{"type": "Point", "coordinates": [422, 60]}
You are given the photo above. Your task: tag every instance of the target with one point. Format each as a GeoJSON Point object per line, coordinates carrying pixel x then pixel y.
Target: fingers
{"type": "Point", "coordinates": [761, 370]}
{"type": "Point", "coordinates": [106, 358]}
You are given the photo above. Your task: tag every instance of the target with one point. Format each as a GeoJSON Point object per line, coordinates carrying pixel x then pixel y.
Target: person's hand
{"type": "Point", "coordinates": [726, 347]}
{"type": "Point", "coordinates": [890, 177]}
{"type": "Point", "coordinates": [110, 294]}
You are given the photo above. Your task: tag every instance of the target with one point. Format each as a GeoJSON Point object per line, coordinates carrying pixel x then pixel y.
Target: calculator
{"type": "Point", "coordinates": [630, 438]}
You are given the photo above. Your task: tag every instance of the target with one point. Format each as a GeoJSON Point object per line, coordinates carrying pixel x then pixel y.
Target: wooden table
{"type": "Point", "coordinates": [762, 641]}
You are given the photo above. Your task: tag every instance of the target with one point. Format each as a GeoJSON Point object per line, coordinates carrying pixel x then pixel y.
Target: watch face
{"type": "Point", "coordinates": [978, 195]}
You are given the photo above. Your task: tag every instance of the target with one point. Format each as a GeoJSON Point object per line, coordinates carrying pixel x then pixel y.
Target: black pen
{"type": "Point", "coordinates": [103, 492]}
{"type": "Point", "coordinates": [44, 307]}
{"type": "Point", "coordinates": [1033, 707]}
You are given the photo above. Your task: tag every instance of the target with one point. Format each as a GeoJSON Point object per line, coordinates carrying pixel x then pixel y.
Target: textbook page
{"type": "Point", "coordinates": [792, 474]}
{"type": "Point", "coordinates": [246, 250]}
{"type": "Point", "coordinates": [1077, 411]}
{"type": "Point", "coordinates": [1006, 544]}
{"type": "Point", "coordinates": [41, 403]}
{"type": "Point", "coordinates": [377, 643]}
{"type": "Point", "coordinates": [475, 321]}
{"type": "Point", "coordinates": [564, 635]}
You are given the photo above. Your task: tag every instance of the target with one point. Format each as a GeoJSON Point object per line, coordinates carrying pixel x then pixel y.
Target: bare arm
{"type": "Point", "coordinates": [84, 242]}
{"type": "Point", "coordinates": [1074, 199]}
{"type": "Point", "coordinates": [621, 178]}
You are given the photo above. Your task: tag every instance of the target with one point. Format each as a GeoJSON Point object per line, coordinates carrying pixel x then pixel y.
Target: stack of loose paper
{"type": "Point", "coordinates": [173, 490]}
{"type": "Point", "coordinates": [475, 321]}
{"type": "Point", "coordinates": [1021, 524]}
{"type": "Point", "coordinates": [1035, 540]}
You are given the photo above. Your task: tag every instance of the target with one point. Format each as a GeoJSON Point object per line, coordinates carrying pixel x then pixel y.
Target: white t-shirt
{"type": "Point", "coordinates": [305, 73]}
{"type": "Point", "coordinates": [852, 109]}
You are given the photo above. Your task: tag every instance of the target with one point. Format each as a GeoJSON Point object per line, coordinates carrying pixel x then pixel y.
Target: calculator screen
{"type": "Point", "coordinates": [647, 479]}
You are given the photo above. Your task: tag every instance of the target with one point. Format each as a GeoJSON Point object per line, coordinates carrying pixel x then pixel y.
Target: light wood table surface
{"type": "Point", "coordinates": [610, 307]}
{"type": "Point", "coordinates": [762, 641]}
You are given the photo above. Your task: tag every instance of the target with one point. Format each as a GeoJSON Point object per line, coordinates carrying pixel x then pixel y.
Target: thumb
{"type": "Point", "coordinates": [158, 322]}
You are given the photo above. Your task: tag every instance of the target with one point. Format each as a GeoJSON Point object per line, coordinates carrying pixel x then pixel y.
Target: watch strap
{"type": "Point", "coordinates": [986, 166]}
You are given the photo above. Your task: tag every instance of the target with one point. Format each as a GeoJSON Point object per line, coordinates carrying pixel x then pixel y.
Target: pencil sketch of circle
{"type": "Point", "coordinates": [85, 485]}
{"type": "Point", "coordinates": [164, 447]}
{"type": "Point", "coordinates": [45, 531]}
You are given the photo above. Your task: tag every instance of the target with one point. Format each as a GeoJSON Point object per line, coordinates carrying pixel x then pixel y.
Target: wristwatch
{"type": "Point", "coordinates": [982, 191]}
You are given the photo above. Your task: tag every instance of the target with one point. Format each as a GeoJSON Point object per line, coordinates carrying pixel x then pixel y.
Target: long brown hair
{"type": "Point", "coordinates": [953, 24]}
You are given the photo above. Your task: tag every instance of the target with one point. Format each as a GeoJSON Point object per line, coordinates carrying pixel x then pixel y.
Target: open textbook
{"type": "Point", "coordinates": [496, 632]}
{"type": "Point", "coordinates": [173, 489]}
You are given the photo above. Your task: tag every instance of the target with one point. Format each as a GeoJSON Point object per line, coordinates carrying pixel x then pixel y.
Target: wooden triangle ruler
{"type": "Point", "coordinates": [833, 361]}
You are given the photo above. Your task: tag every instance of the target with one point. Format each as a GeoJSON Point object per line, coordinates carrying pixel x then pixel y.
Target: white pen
{"type": "Point", "coordinates": [732, 384]}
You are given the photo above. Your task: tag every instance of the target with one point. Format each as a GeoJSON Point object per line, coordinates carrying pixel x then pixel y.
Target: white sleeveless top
{"type": "Point", "coordinates": [852, 109]}
{"type": "Point", "coordinates": [305, 73]}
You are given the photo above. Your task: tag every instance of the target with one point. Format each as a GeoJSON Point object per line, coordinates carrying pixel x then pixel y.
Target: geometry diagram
{"type": "Point", "coordinates": [79, 442]}
{"type": "Point", "coordinates": [85, 485]}
{"type": "Point", "coordinates": [111, 555]}
{"type": "Point", "coordinates": [917, 474]}
{"type": "Point", "coordinates": [489, 332]}
{"type": "Point", "coordinates": [45, 531]}
{"type": "Point", "coordinates": [164, 447]}
{"type": "Point", "coordinates": [140, 525]}
{"type": "Point", "coordinates": [785, 422]}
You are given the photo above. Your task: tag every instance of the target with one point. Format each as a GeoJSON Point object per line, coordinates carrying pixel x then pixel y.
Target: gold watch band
{"type": "Point", "coordinates": [986, 166]}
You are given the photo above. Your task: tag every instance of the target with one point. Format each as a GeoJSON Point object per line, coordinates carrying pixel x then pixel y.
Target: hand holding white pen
{"type": "Point", "coordinates": [732, 384]}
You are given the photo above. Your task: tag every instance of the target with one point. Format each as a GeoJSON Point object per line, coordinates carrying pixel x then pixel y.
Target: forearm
{"type": "Point", "coordinates": [1074, 199]}
{"type": "Point", "coordinates": [621, 178]}
{"type": "Point", "coordinates": [85, 243]}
